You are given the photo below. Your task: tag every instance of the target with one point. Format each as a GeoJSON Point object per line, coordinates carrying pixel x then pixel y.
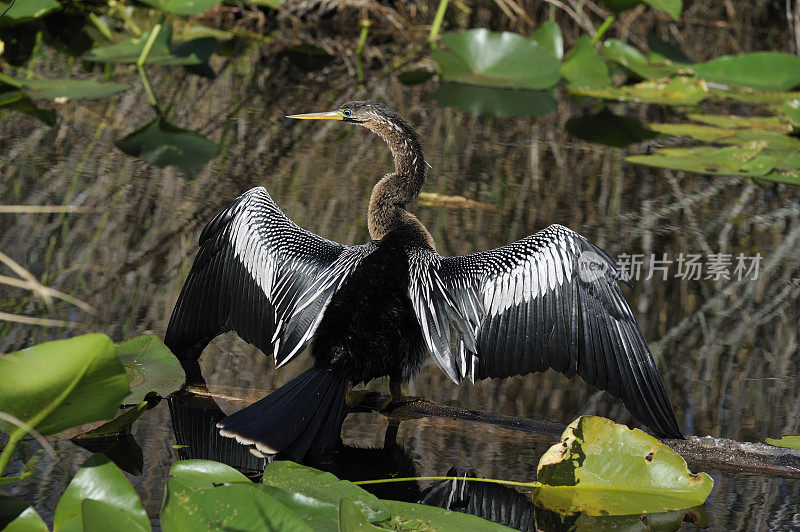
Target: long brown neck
{"type": "Point", "coordinates": [387, 204]}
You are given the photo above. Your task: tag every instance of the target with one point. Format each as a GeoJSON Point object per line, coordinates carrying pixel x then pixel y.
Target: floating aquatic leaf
{"type": "Point", "coordinates": [487, 58]}
{"type": "Point", "coordinates": [61, 384]}
{"type": "Point", "coordinates": [322, 486]}
{"type": "Point", "coordinates": [193, 52]}
{"type": "Point", "coordinates": [583, 67]}
{"type": "Point", "coordinates": [607, 128]}
{"type": "Point", "coordinates": [632, 59]}
{"type": "Point", "coordinates": [672, 7]}
{"type": "Point", "coordinates": [410, 516]}
{"type": "Point", "coordinates": [63, 88]}
{"type": "Point", "coordinates": [790, 177]}
{"type": "Point", "coordinates": [791, 109]}
{"type": "Point", "coordinates": [743, 160]}
{"type": "Point", "coordinates": [791, 442]}
{"type": "Point", "coordinates": [765, 123]}
{"type": "Point", "coordinates": [677, 91]}
{"type": "Point", "coordinates": [25, 10]}
{"type": "Point", "coordinates": [308, 57]}
{"type": "Point", "coordinates": [498, 102]}
{"type": "Point", "coordinates": [164, 144]}
{"type": "Point", "coordinates": [764, 71]}
{"type": "Point", "coordinates": [17, 101]}
{"type": "Point", "coordinates": [182, 7]}
{"type": "Point", "coordinates": [17, 516]}
{"type": "Point", "coordinates": [549, 36]}
{"type": "Point", "coordinates": [415, 76]}
{"type": "Point", "coordinates": [151, 367]}
{"type": "Point", "coordinates": [351, 519]}
{"type": "Point", "coordinates": [604, 468]}
{"type": "Point", "coordinates": [661, 50]}
{"type": "Point", "coordinates": [118, 426]}
{"type": "Point", "coordinates": [750, 96]}
{"type": "Point", "coordinates": [100, 491]}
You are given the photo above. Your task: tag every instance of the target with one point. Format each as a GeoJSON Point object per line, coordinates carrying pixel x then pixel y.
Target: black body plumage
{"type": "Point", "coordinates": [550, 300]}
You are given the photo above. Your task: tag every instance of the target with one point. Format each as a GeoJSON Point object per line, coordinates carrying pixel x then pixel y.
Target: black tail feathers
{"type": "Point", "coordinates": [302, 417]}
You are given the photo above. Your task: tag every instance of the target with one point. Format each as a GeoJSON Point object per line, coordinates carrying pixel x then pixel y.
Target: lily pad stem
{"type": "Point", "coordinates": [148, 45]}
{"type": "Point", "coordinates": [5, 457]}
{"type": "Point", "coordinates": [603, 28]}
{"type": "Point", "coordinates": [471, 479]}
{"type": "Point", "coordinates": [438, 19]}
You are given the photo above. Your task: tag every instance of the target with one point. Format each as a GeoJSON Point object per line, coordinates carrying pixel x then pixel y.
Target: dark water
{"type": "Point", "coordinates": [727, 349]}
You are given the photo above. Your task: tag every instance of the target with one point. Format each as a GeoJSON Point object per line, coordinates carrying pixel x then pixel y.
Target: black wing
{"type": "Point", "coordinates": [258, 273]}
{"type": "Point", "coordinates": [550, 300]}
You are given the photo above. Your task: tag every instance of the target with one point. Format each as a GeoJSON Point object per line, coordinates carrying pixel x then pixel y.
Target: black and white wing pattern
{"type": "Point", "coordinates": [550, 300]}
{"type": "Point", "coordinates": [258, 273]}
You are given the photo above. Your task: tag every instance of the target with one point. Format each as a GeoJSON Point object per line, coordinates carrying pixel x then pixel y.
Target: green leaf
{"type": "Point", "coordinates": [672, 7]}
{"type": "Point", "coordinates": [507, 60]}
{"type": "Point", "coordinates": [633, 60]}
{"type": "Point", "coordinates": [192, 52]}
{"type": "Point", "coordinates": [61, 384]}
{"type": "Point", "coordinates": [25, 10]}
{"type": "Point", "coordinates": [549, 36]}
{"type": "Point", "coordinates": [498, 102]}
{"type": "Point", "coordinates": [99, 480]}
{"type": "Point", "coordinates": [182, 7]}
{"type": "Point", "coordinates": [791, 442]}
{"type": "Point", "coordinates": [415, 76]}
{"type": "Point", "coordinates": [324, 487]}
{"type": "Point", "coordinates": [677, 91]}
{"type": "Point", "coordinates": [351, 519]}
{"type": "Point", "coordinates": [765, 71]}
{"type": "Point", "coordinates": [151, 367]}
{"type": "Point", "coordinates": [607, 128]}
{"type": "Point", "coordinates": [17, 101]}
{"type": "Point", "coordinates": [118, 426]}
{"type": "Point", "coordinates": [743, 160]}
{"type": "Point", "coordinates": [603, 468]}
{"type": "Point", "coordinates": [206, 495]}
{"type": "Point", "coordinates": [17, 516]}
{"type": "Point", "coordinates": [791, 109]}
{"type": "Point", "coordinates": [410, 516]}
{"type": "Point", "coordinates": [583, 67]}
{"type": "Point", "coordinates": [64, 88]}
{"type": "Point", "coordinates": [164, 144]}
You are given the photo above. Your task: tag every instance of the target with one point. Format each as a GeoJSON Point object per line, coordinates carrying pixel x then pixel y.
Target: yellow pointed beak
{"type": "Point", "coordinates": [331, 115]}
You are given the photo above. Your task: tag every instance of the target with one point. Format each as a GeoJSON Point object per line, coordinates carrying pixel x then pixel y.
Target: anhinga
{"type": "Point", "coordinates": [550, 300]}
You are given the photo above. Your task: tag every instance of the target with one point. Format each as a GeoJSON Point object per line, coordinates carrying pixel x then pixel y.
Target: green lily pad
{"type": "Point", "coordinates": [322, 486]}
{"type": "Point", "coordinates": [351, 519]}
{"type": "Point", "coordinates": [99, 492]}
{"type": "Point", "coordinates": [415, 76]}
{"type": "Point", "coordinates": [633, 60]}
{"type": "Point", "coordinates": [498, 102]}
{"type": "Point", "coordinates": [193, 52]}
{"type": "Point", "coordinates": [182, 7]}
{"type": "Point", "coordinates": [506, 60]}
{"type": "Point", "coordinates": [672, 7]}
{"type": "Point", "coordinates": [151, 367]}
{"type": "Point", "coordinates": [583, 67]}
{"type": "Point", "coordinates": [26, 10]}
{"type": "Point", "coordinates": [411, 516]}
{"type": "Point", "coordinates": [63, 88]}
{"type": "Point", "coordinates": [680, 90]}
{"type": "Point", "coordinates": [791, 442]}
{"type": "Point", "coordinates": [764, 71]}
{"type": "Point", "coordinates": [61, 384]}
{"type": "Point", "coordinates": [118, 426]}
{"type": "Point", "coordinates": [549, 36]}
{"type": "Point", "coordinates": [791, 109]}
{"type": "Point", "coordinates": [17, 516]}
{"type": "Point", "coordinates": [742, 160]}
{"type": "Point", "coordinates": [164, 144]}
{"type": "Point", "coordinates": [604, 468]}
{"type": "Point", "coordinates": [607, 128]}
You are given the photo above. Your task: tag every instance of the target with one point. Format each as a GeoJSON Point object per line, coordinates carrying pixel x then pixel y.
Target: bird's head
{"type": "Point", "coordinates": [372, 115]}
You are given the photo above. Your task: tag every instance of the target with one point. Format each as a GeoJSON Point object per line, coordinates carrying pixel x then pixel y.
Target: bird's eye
{"type": "Point", "coordinates": [347, 113]}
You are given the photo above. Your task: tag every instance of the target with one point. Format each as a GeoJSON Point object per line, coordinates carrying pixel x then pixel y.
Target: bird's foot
{"type": "Point", "coordinates": [362, 398]}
